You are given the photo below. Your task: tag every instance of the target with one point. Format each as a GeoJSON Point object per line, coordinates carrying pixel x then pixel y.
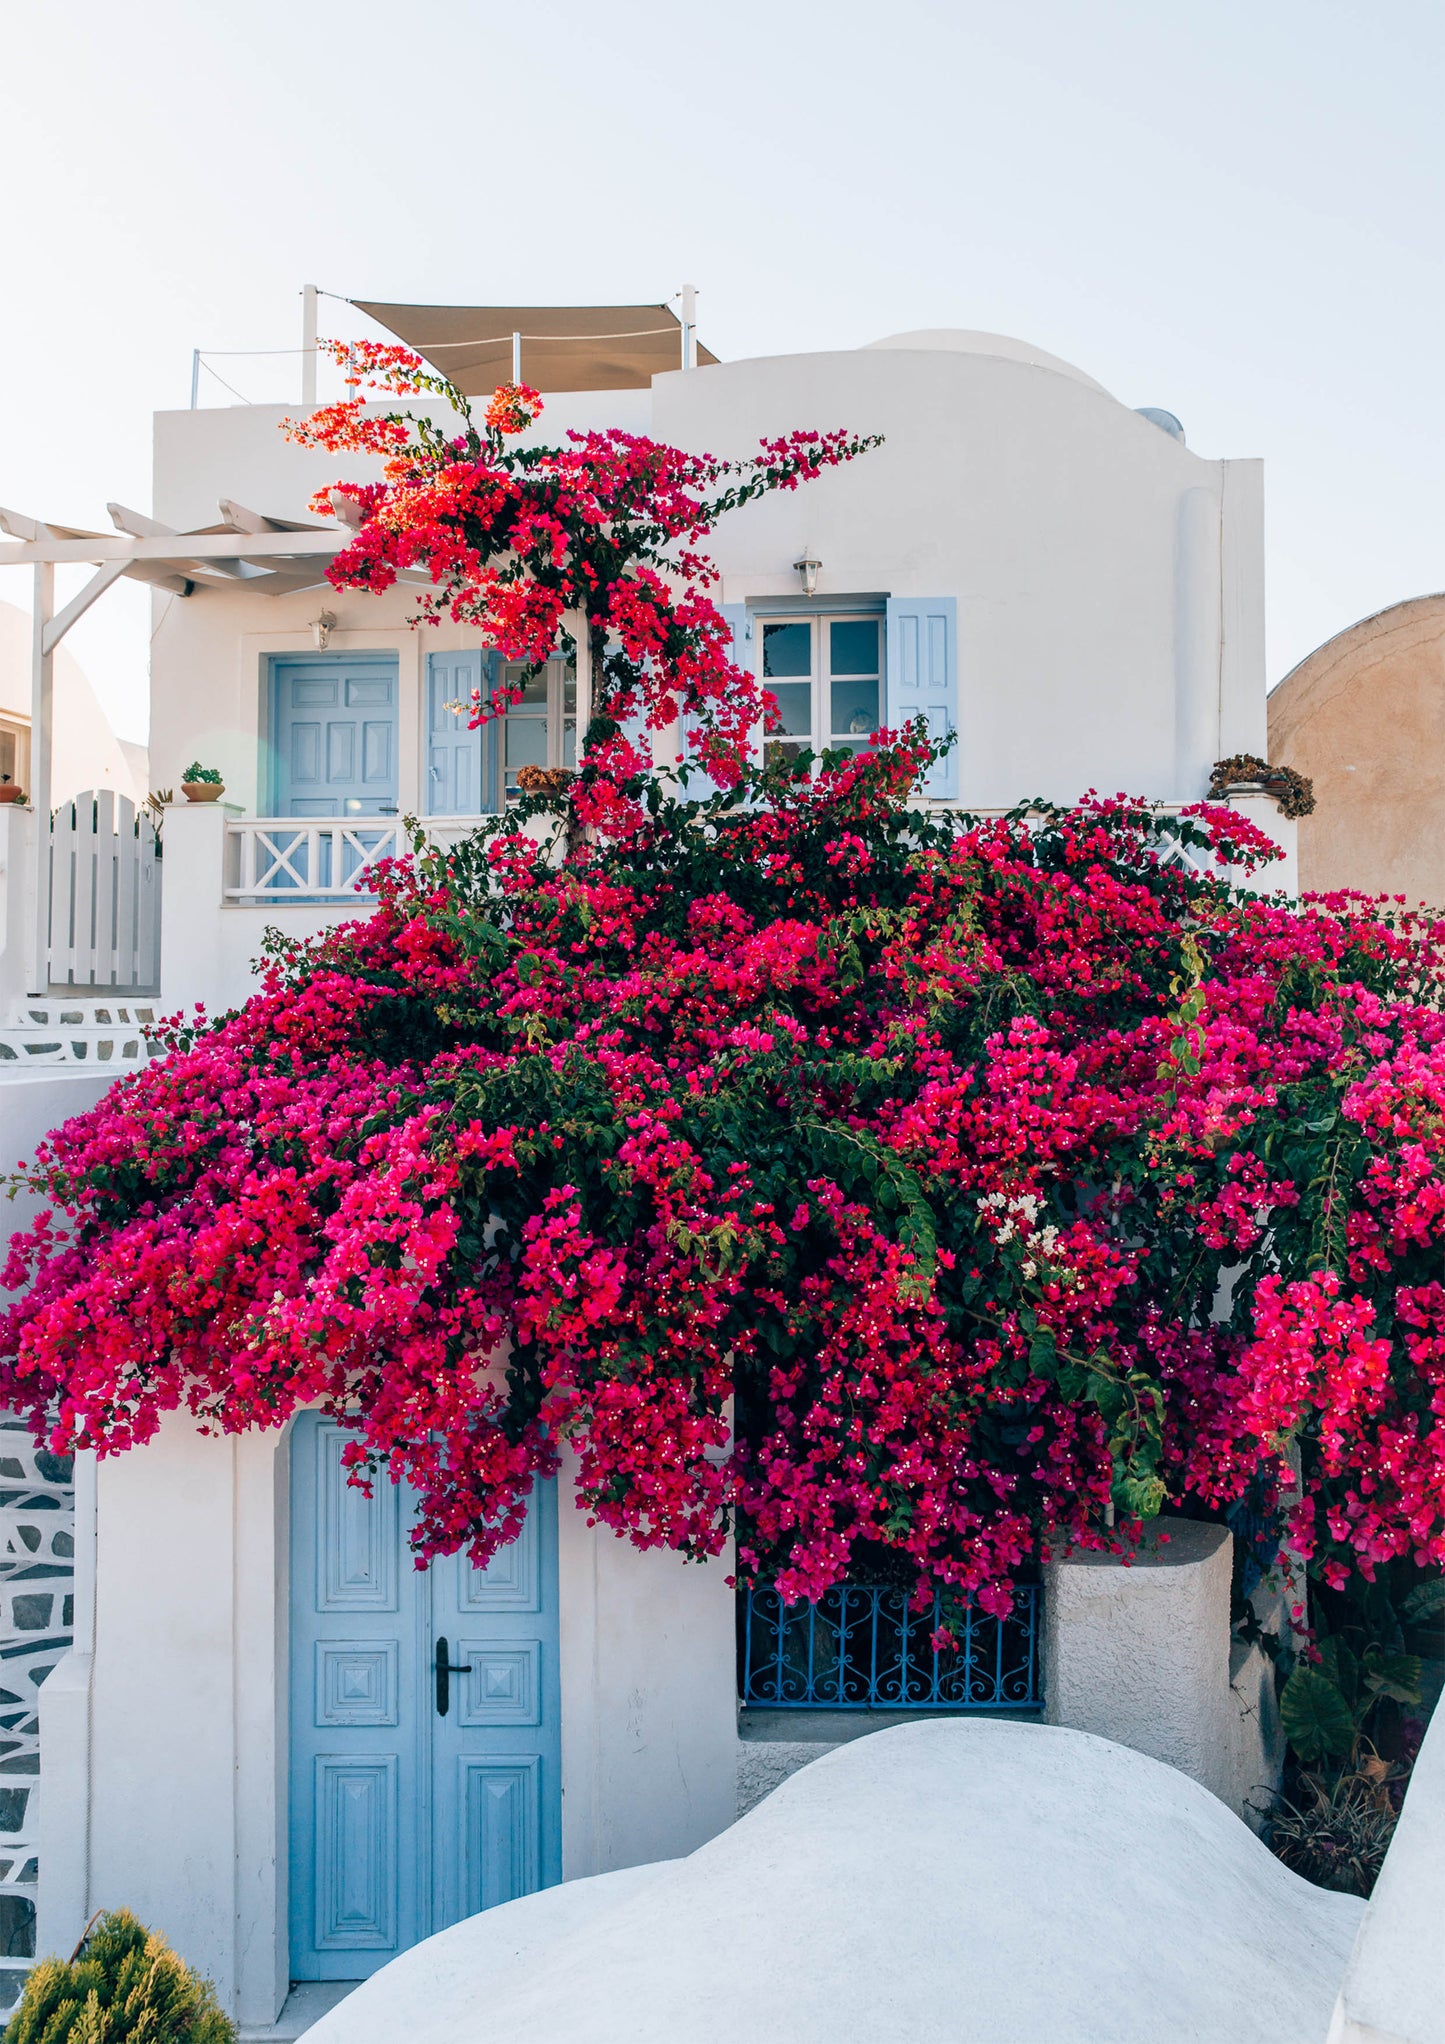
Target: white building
{"type": "Point", "coordinates": [246, 1741]}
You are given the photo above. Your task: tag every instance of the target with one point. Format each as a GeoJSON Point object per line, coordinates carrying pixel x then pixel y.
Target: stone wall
{"type": "Point", "coordinates": [37, 1577]}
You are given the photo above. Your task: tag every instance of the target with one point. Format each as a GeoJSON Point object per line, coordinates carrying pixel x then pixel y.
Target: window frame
{"type": "Point", "coordinates": [554, 714]}
{"type": "Point", "coordinates": [820, 677]}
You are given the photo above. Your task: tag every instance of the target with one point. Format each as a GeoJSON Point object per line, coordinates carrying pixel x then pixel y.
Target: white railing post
{"type": "Point", "coordinates": [193, 837]}
{"type": "Point", "coordinates": [18, 919]}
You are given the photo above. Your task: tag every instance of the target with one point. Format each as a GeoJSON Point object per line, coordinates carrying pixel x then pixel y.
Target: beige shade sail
{"type": "Point", "coordinates": [564, 347]}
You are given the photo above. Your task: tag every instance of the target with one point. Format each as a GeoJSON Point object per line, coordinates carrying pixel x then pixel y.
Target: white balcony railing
{"type": "Point", "coordinates": [280, 858]}
{"type": "Point", "coordinates": [271, 858]}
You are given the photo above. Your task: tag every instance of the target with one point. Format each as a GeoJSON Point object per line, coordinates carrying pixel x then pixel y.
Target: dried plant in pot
{"type": "Point", "coordinates": [202, 783]}
{"type": "Point", "coordinates": [1245, 773]}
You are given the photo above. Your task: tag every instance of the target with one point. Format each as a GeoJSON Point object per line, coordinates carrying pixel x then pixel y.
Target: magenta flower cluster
{"type": "Point", "coordinates": [877, 1187]}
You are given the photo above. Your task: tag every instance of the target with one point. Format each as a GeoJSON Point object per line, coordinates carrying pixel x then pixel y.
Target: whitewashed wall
{"type": "Point", "coordinates": [1109, 581]}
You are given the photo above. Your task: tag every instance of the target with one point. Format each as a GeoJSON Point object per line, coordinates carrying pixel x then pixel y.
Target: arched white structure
{"type": "Point", "coordinates": [1011, 1883]}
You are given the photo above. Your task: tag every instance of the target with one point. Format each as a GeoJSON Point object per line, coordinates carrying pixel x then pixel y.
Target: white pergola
{"type": "Point", "coordinates": [244, 549]}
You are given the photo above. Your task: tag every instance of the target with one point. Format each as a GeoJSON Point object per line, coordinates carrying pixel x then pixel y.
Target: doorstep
{"type": "Point", "coordinates": [307, 2003]}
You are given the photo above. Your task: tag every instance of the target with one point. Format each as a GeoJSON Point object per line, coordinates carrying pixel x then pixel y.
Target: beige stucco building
{"type": "Point", "coordinates": [1364, 716]}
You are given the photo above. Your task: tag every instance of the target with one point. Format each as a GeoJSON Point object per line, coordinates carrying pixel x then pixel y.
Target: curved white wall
{"type": "Point", "coordinates": [87, 752]}
{"type": "Point", "coordinates": [1109, 581]}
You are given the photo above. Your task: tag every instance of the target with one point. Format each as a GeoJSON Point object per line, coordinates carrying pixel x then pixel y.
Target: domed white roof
{"type": "Point", "coordinates": [954, 340]}
{"type": "Point", "coordinates": [937, 1881]}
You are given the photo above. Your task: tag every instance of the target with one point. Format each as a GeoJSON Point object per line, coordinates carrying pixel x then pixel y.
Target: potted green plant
{"type": "Point", "coordinates": [202, 783]}
{"type": "Point", "coordinates": [10, 791]}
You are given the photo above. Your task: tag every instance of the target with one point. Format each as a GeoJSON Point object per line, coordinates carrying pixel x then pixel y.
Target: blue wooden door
{"type": "Point", "coordinates": [404, 1818]}
{"type": "Point", "coordinates": [334, 732]}
{"type": "Point", "coordinates": [461, 768]}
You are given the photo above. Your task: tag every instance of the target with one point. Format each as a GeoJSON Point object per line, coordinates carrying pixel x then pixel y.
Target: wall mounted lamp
{"type": "Point", "coordinates": [322, 628]}
{"type": "Point", "coordinates": [808, 568]}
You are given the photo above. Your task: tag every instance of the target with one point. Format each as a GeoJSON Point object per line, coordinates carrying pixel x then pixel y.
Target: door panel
{"type": "Point", "coordinates": [356, 1815]}
{"type": "Point", "coordinates": [499, 1839]}
{"type": "Point", "coordinates": [403, 1820]}
{"type": "Point", "coordinates": [334, 734]}
{"type": "Point", "coordinates": [461, 763]}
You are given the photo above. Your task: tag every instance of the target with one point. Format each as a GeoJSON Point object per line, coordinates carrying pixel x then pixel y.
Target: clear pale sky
{"type": "Point", "coordinates": [1232, 210]}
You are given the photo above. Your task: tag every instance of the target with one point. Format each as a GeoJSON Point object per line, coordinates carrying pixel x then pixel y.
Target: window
{"type": "Point", "coordinates": [826, 676]}
{"type": "Point", "coordinates": [14, 751]}
{"type": "Point", "coordinates": [541, 730]}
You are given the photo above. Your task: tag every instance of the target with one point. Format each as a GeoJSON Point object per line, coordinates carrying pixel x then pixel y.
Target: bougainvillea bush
{"type": "Point", "coordinates": [885, 1188]}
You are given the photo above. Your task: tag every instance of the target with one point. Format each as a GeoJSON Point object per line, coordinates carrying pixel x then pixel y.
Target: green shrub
{"type": "Point", "coordinates": [124, 1985]}
{"type": "Point", "coordinates": [1336, 1833]}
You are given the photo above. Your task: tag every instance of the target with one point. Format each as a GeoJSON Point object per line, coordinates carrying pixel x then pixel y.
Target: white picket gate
{"type": "Point", "coordinates": [105, 894]}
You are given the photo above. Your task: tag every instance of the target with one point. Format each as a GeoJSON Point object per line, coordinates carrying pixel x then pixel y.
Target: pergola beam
{"type": "Point", "coordinates": [172, 550]}
{"type": "Point", "coordinates": [57, 627]}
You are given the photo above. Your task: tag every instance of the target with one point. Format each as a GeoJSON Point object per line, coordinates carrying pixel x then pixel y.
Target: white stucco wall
{"type": "Point", "coordinates": [649, 1678]}
{"type": "Point", "coordinates": [32, 1103]}
{"type": "Point", "coordinates": [1109, 580]}
{"type": "Point", "coordinates": [87, 753]}
{"type": "Point", "coordinates": [1139, 1651]}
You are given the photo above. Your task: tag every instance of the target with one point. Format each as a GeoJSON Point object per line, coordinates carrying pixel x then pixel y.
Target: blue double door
{"type": "Point", "coordinates": [425, 1720]}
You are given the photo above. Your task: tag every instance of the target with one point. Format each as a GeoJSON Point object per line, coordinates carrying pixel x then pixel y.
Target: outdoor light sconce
{"type": "Point", "coordinates": [321, 629]}
{"type": "Point", "coordinates": [808, 568]}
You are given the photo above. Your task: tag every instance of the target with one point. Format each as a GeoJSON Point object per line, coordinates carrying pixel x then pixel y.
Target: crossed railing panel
{"type": "Point", "coordinates": [323, 859]}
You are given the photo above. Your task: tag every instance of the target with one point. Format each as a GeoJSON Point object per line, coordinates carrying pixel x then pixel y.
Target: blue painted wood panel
{"type": "Point", "coordinates": [461, 764]}
{"type": "Point", "coordinates": [402, 1820]}
{"type": "Point", "coordinates": [922, 656]}
{"type": "Point", "coordinates": [334, 736]}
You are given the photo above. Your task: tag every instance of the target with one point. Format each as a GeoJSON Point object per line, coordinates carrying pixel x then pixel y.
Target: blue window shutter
{"type": "Point", "coordinates": [923, 676]}
{"type": "Point", "coordinates": [701, 785]}
{"type": "Point", "coordinates": [455, 755]}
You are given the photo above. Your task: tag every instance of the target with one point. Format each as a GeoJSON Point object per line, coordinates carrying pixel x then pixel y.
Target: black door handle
{"type": "Point", "coordinates": [446, 1667]}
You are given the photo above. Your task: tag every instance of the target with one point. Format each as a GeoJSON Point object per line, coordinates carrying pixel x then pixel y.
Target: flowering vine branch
{"type": "Point", "coordinates": [515, 539]}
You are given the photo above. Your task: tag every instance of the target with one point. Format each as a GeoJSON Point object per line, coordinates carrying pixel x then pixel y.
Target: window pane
{"type": "Point", "coordinates": [526, 742]}
{"type": "Point", "coordinates": [569, 743]}
{"type": "Point", "coordinates": [795, 708]}
{"type": "Point", "coordinates": [533, 691]}
{"type": "Point", "coordinates": [853, 646]}
{"type": "Point", "coordinates": [787, 649]}
{"type": "Point", "coordinates": [855, 708]}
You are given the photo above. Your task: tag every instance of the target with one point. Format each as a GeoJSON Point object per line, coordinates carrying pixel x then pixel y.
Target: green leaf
{"type": "Point", "coordinates": [1138, 1497]}
{"type": "Point", "coordinates": [1392, 1675]}
{"type": "Point", "coordinates": [1043, 1353]}
{"type": "Point", "coordinates": [1424, 1601]}
{"type": "Point", "coordinates": [1315, 1717]}
{"type": "Point", "coordinates": [1338, 1665]}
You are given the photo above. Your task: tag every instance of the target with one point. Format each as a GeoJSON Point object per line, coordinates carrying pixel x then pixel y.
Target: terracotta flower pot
{"type": "Point", "coordinates": [203, 791]}
{"type": "Point", "coordinates": [10, 793]}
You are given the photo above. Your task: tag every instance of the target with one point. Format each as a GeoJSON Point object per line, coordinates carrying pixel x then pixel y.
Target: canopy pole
{"type": "Point", "coordinates": [516, 358]}
{"type": "Point", "coordinates": [195, 376]}
{"type": "Point", "coordinates": [689, 326]}
{"type": "Point", "coordinates": [308, 344]}
{"type": "Point", "coordinates": [42, 714]}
